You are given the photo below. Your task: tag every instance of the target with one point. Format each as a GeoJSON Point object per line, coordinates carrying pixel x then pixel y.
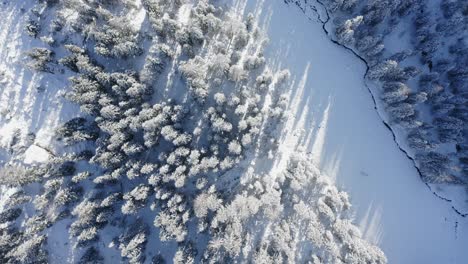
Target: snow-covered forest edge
{"type": "Point", "coordinates": [195, 131]}
{"type": "Point", "coordinates": [415, 57]}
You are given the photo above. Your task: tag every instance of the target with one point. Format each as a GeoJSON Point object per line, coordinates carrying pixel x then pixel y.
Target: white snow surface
{"type": "Point", "coordinates": [137, 15]}
{"type": "Point", "coordinates": [35, 154]}
{"type": "Point", "coordinates": [30, 102]}
{"type": "Point", "coordinates": [332, 117]}
{"type": "Point", "coordinates": [26, 109]}
{"type": "Point", "coordinates": [184, 13]}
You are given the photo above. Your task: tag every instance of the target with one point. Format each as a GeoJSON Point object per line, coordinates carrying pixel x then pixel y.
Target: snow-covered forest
{"type": "Point", "coordinates": [416, 58]}
{"type": "Point", "coordinates": [233, 131]}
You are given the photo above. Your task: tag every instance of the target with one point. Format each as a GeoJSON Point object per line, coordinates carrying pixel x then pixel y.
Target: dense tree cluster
{"type": "Point", "coordinates": [156, 140]}
{"type": "Point", "coordinates": [170, 114]}
{"type": "Point", "coordinates": [25, 245]}
{"type": "Point", "coordinates": [306, 220]}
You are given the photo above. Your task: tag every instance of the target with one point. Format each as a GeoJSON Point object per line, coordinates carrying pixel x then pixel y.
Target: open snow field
{"type": "Point", "coordinates": [30, 102]}
{"type": "Point", "coordinates": [332, 116]}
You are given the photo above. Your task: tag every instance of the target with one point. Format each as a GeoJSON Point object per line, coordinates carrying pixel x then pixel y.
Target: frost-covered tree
{"type": "Point", "coordinates": [435, 168]}
{"type": "Point", "coordinates": [449, 128]}
{"type": "Point", "coordinates": [77, 130]}
{"type": "Point", "coordinates": [173, 219]}
{"type": "Point", "coordinates": [135, 199]}
{"type": "Point", "coordinates": [91, 255]}
{"type": "Point", "coordinates": [33, 28]}
{"type": "Point", "coordinates": [345, 32]}
{"type": "Point", "coordinates": [31, 250]}
{"type": "Point", "coordinates": [117, 39]}
{"type": "Point", "coordinates": [133, 241]}
{"type": "Point", "coordinates": [206, 202]}
{"type": "Point", "coordinates": [41, 59]}
{"type": "Point", "coordinates": [10, 215]}
{"type": "Point", "coordinates": [16, 175]}
{"type": "Point", "coordinates": [395, 92]}
{"type": "Point", "coordinates": [85, 227]}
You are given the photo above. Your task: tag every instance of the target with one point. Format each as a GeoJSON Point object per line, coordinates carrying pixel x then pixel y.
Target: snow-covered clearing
{"type": "Point", "coordinates": [30, 102]}
{"type": "Point", "coordinates": [35, 154]}
{"type": "Point", "coordinates": [332, 116]}
{"type": "Point", "coordinates": [31, 105]}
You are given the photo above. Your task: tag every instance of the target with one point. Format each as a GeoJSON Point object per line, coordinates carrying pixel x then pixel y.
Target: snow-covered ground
{"type": "Point", "coordinates": [332, 116]}
{"type": "Point", "coordinates": [31, 106]}
{"type": "Point", "coordinates": [30, 101]}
